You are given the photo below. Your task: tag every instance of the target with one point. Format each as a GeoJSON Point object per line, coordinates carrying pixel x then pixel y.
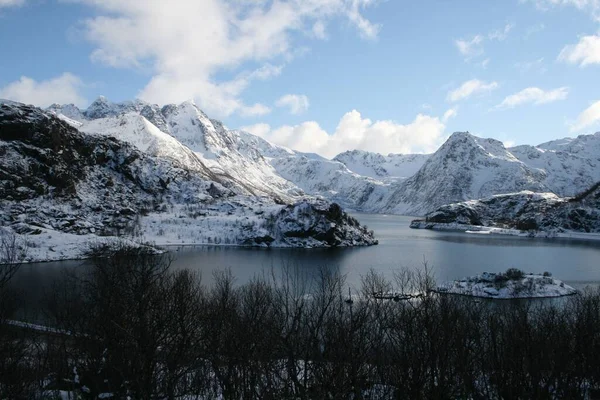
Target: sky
{"type": "Point", "coordinates": [324, 76]}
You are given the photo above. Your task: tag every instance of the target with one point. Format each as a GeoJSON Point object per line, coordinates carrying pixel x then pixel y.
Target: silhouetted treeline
{"type": "Point", "coordinates": [131, 326]}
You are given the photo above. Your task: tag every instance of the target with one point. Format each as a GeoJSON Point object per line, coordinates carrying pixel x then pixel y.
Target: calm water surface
{"type": "Point", "coordinates": [450, 255]}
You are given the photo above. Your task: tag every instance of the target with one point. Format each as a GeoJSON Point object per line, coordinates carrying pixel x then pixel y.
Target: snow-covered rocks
{"type": "Point", "coordinates": [533, 214]}
{"type": "Point", "coordinates": [513, 284]}
{"type": "Point", "coordinates": [57, 180]}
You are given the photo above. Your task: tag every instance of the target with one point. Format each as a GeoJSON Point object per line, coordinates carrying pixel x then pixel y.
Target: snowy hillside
{"type": "Point", "coordinates": [332, 180]}
{"type": "Point", "coordinates": [465, 167]}
{"type": "Point", "coordinates": [60, 187]}
{"type": "Point", "coordinates": [570, 165]}
{"type": "Point", "coordinates": [537, 214]}
{"type": "Point", "coordinates": [391, 167]}
{"type": "Point", "coordinates": [146, 137]}
{"type": "Point", "coordinates": [235, 158]}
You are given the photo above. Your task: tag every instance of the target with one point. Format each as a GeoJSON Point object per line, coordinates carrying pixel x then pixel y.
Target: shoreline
{"type": "Point", "coordinates": [489, 230]}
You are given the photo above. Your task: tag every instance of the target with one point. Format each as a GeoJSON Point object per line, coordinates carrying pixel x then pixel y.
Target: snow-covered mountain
{"type": "Point", "coordinates": [194, 137]}
{"type": "Point", "coordinates": [465, 167]}
{"type": "Point", "coordinates": [62, 187]}
{"type": "Point", "coordinates": [374, 165]}
{"type": "Point", "coordinates": [235, 158]}
{"type": "Point", "coordinates": [569, 164]}
{"type": "Point", "coordinates": [535, 213]}
{"type": "Point", "coordinates": [332, 180]}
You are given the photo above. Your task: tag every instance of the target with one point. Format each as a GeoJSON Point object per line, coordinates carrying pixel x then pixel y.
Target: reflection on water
{"type": "Point", "coordinates": [450, 255]}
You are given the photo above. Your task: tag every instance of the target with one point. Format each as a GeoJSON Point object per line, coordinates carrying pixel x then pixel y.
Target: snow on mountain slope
{"type": "Point", "coordinates": [230, 153]}
{"type": "Point", "coordinates": [465, 167]}
{"type": "Point", "coordinates": [138, 131]}
{"type": "Point", "coordinates": [570, 165]}
{"type": "Point", "coordinates": [391, 167]}
{"type": "Point", "coordinates": [57, 182]}
{"type": "Point", "coordinates": [234, 158]}
{"type": "Point", "coordinates": [332, 180]}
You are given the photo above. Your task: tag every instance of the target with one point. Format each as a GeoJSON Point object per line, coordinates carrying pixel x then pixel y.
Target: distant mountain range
{"type": "Point", "coordinates": [174, 175]}
{"type": "Point", "coordinates": [465, 167]}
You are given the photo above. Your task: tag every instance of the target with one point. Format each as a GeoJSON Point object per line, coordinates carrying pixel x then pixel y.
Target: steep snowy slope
{"type": "Point", "coordinates": [570, 165]}
{"type": "Point", "coordinates": [230, 153]}
{"type": "Point", "coordinates": [146, 137]}
{"type": "Point", "coordinates": [332, 180]}
{"type": "Point", "coordinates": [232, 156]}
{"type": "Point", "coordinates": [536, 213]}
{"type": "Point", "coordinates": [465, 167]}
{"type": "Point", "coordinates": [390, 168]}
{"type": "Point", "coordinates": [58, 184]}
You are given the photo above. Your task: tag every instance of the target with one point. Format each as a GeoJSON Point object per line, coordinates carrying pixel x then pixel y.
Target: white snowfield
{"type": "Point", "coordinates": [497, 286]}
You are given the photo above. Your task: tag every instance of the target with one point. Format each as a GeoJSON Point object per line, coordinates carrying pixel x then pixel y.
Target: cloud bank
{"type": "Point", "coordinates": [184, 44]}
{"type": "Point", "coordinates": [424, 134]}
{"type": "Point", "coordinates": [64, 89]}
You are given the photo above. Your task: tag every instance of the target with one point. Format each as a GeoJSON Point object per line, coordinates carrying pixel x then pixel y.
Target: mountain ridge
{"type": "Point", "coordinates": [465, 167]}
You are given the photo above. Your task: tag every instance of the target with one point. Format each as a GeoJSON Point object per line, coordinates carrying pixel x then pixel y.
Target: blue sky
{"type": "Point", "coordinates": [321, 75]}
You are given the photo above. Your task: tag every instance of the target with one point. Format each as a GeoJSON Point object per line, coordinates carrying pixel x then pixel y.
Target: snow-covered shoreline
{"type": "Point", "coordinates": [477, 229]}
{"type": "Point", "coordinates": [504, 286]}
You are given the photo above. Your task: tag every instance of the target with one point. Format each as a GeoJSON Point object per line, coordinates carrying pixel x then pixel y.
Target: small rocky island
{"type": "Point", "coordinates": [512, 284]}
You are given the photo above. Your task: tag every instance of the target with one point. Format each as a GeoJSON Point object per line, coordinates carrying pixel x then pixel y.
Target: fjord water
{"type": "Point", "coordinates": [450, 255]}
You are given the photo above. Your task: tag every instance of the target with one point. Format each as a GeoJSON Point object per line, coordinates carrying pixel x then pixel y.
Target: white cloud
{"type": "Point", "coordinates": [590, 116]}
{"type": "Point", "coordinates": [592, 7]}
{"type": "Point", "coordinates": [501, 34]}
{"type": "Point", "coordinates": [586, 52]}
{"type": "Point", "coordinates": [254, 110]}
{"type": "Point", "coordinates": [470, 48]}
{"type": "Point", "coordinates": [319, 30]}
{"type": "Point", "coordinates": [535, 96]}
{"type": "Point", "coordinates": [485, 63]}
{"type": "Point", "coordinates": [471, 88]}
{"type": "Point", "coordinates": [11, 3]}
{"type": "Point", "coordinates": [63, 89]}
{"type": "Point", "coordinates": [185, 44]}
{"type": "Point", "coordinates": [535, 65]}
{"type": "Point", "coordinates": [297, 103]}
{"type": "Point", "coordinates": [424, 134]}
{"type": "Point", "coordinates": [260, 129]}
{"type": "Point", "coordinates": [451, 113]}
{"type": "Point", "coordinates": [532, 30]}
{"type": "Point", "coordinates": [366, 28]}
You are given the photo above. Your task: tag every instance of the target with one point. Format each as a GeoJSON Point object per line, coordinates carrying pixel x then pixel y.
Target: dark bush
{"type": "Point", "coordinates": [514, 274]}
